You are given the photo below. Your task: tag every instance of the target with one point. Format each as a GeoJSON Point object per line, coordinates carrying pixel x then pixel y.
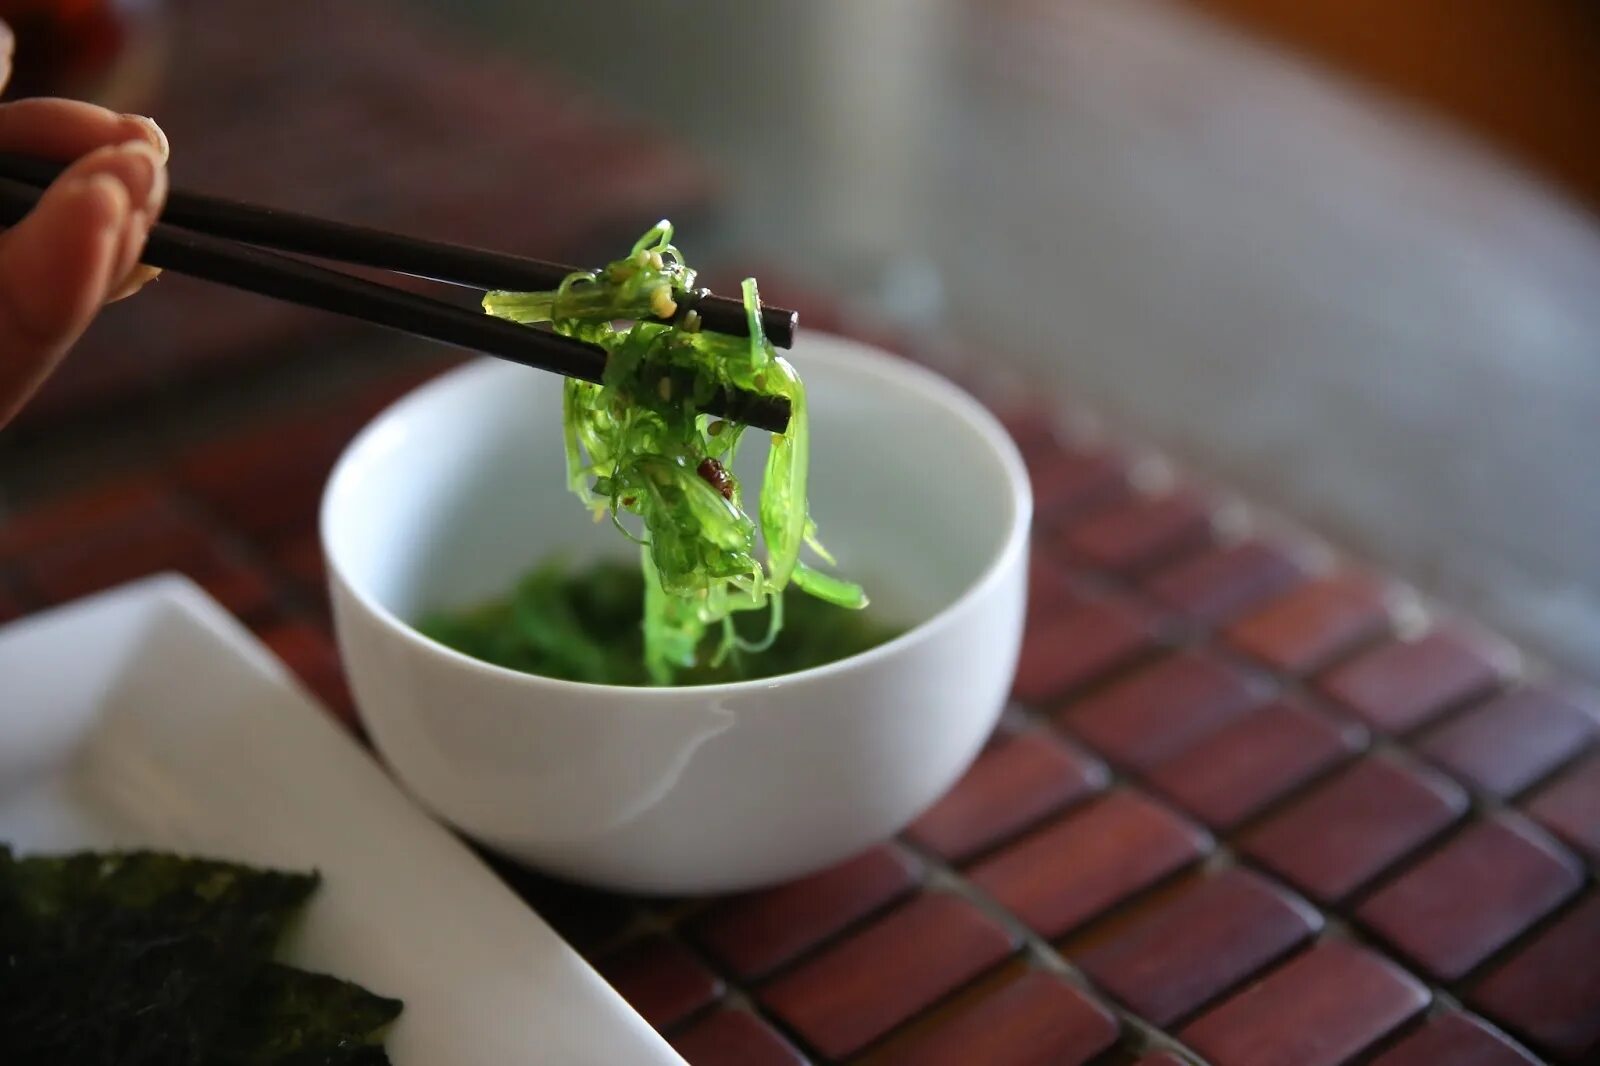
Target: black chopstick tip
{"type": "Point", "coordinates": [770, 413]}
{"type": "Point", "coordinates": [758, 410]}
{"type": "Point", "coordinates": [779, 324]}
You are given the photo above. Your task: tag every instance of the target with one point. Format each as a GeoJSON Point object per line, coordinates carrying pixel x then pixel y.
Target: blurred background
{"type": "Point", "coordinates": [1342, 254]}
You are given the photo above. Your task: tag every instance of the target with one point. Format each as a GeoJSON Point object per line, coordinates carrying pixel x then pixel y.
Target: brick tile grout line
{"type": "Point", "coordinates": [1556, 771]}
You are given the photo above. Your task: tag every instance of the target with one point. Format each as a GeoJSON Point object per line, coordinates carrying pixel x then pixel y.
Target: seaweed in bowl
{"type": "Point", "coordinates": [719, 594]}
{"type": "Point", "coordinates": [583, 624]}
{"type": "Point", "coordinates": [146, 957]}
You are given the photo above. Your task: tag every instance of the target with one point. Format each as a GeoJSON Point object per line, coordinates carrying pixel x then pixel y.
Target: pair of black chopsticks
{"type": "Point", "coordinates": [227, 242]}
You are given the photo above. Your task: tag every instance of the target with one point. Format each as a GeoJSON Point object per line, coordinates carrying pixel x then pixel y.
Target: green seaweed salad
{"type": "Point", "coordinates": [706, 603]}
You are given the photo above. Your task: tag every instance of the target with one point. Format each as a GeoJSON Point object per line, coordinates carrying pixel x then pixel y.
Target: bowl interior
{"type": "Point", "coordinates": [460, 487]}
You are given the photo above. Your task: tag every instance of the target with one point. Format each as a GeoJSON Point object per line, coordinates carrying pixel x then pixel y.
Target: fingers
{"type": "Point", "coordinates": [67, 129]}
{"type": "Point", "coordinates": [80, 246]}
{"type": "Point", "coordinates": [141, 171]}
{"type": "Point", "coordinates": [136, 275]}
{"type": "Point", "coordinates": [7, 47]}
{"type": "Point", "coordinates": [58, 264]}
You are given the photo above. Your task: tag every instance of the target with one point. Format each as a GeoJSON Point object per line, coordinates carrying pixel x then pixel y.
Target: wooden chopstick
{"type": "Point", "coordinates": [295, 281]}
{"type": "Point", "coordinates": [454, 264]}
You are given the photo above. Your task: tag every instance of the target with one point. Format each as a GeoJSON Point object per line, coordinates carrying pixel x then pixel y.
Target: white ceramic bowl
{"type": "Point", "coordinates": [458, 488]}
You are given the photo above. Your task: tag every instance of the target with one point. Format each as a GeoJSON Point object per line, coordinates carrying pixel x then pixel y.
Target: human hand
{"type": "Point", "coordinates": [79, 248]}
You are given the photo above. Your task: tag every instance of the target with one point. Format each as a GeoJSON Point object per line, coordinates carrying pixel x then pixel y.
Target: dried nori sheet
{"type": "Point", "coordinates": [142, 957]}
{"type": "Point", "coordinates": [291, 1016]}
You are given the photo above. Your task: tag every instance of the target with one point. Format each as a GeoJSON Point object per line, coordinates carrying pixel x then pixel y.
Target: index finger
{"type": "Point", "coordinates": [66, 129]}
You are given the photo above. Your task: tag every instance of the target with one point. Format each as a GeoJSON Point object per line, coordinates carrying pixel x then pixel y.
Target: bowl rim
{"type": "Point", "coordinates": [859, 355]}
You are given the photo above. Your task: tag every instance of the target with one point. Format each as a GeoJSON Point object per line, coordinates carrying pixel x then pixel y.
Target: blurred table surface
{"type": "Point", "coordinates": [1335, 302]}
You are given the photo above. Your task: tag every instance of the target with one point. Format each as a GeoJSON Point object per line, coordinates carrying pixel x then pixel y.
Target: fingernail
{"type": "Point", "coordinates": [157, 136]}
{"type": "Point", "coordinates": [152, 174]}
{"type": "Point", "coordinates": [140, 277]}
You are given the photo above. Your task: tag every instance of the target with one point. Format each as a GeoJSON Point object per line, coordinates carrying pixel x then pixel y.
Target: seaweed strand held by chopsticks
{"type": "Point", "coordinates": [141, 957]}
{"type": "Point", "coordinates": [642, 450]}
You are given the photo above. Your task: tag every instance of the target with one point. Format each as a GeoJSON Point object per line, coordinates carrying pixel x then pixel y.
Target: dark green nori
{"type": "Point", "coordinates": [308, 1019]}
{"type": "Point", "coordinates": [140, 957]}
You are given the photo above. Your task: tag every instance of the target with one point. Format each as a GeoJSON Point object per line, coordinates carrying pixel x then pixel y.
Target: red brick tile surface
{"type": "Point", "coordinates": [1059, 876]}
{"type": "Point", "coordinates": [1570, 807]}
{"type": "Point", "coordinates": [1321, 1008]}
{"type": "Point", "coordinates": [1252, 761]}
{"type": "Point", "coordinates": [856, 991]}
{"type": "Point", "coordinates": [309, 651]}
{"type": "Point", "coordinates": [267, 481]}
{"type": "Point", "coordinates": [1182, 952]}
{"type": "Point", "coordinates": [1456, 1039]}
{"type": "Point", "coordinates": [301, 558]}
{"type": "Point", "coordinates": [1131, 536]}
{"type": "Point", "coordinates": [108, 536]}
{"type": "Point", "coordinates": [1512, 741]}
{"type": "Point", "coordinates": [1078, 645]}
{"type": "Point", "coordinates": [84, 513]}
{"type": "Point", "coordinates": [1349, 829]}
{"type": "Point", "coordinates": [1484, 887]}
{"type": "Point", "coordinates": [1064, 482]}
{"type": "Point", "coordinates": [1035, 429]}
{"type": "Point", "coordinates": [1035, 1018]}
{"type": "Point", "coordinates": [757, 932]}
{"type": "Point", "coordinates": [1052, 588]}
{"type": "Point", "coordinates": [734, 1038]}
{"type": "Point", "coordinates": [1218, 583]}
{"type": "Point", "coordinates": [1318, 621]}
{"type": "Point", "coordinates": [661, 980]}
{"type": "Point", "coordinates": [1401, 685]}
{"type": "Point", "coordinates": [1012, 785]}
{"type": "Point", "coordinates": [1161, 708]}
{"type": "Point", "coordinates": [1549, 989]}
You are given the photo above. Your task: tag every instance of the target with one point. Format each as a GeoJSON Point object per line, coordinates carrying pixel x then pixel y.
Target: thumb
{"type": "Point", "coordinates": [55, 267]}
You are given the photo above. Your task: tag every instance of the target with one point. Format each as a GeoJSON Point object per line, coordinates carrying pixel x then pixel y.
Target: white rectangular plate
{"type": "Point", "coordinates": [147, 717]}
